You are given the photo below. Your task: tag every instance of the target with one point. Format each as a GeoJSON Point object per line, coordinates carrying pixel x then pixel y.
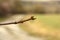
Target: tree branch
{"type": "Point", "coordinates": [32, 18]}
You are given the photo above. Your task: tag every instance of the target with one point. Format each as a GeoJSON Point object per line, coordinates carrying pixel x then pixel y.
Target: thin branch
{"type": "Point", "coordinates": [32, 18]}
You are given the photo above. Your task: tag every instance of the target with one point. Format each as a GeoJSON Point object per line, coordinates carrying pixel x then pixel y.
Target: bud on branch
{"type": "Point", "coordinates": [32, 18]}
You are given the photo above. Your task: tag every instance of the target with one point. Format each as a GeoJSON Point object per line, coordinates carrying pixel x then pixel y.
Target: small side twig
{"type": "Point", "coordinates": [32, 18]}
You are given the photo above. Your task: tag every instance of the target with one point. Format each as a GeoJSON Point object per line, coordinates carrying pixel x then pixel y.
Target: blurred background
{"type": "Point", "coordinates": [45, 27]}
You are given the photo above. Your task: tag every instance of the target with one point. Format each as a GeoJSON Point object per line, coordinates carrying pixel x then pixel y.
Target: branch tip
{"type": "Point", "coordinates": [33, 18]}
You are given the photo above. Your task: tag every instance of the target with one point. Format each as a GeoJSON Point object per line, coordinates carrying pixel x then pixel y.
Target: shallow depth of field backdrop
{"type": "Point", "coordinates": [47, 14]}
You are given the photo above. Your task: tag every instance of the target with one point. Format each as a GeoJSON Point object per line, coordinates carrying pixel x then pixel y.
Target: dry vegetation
{"type": "Point", "coordinates": [46, 26]}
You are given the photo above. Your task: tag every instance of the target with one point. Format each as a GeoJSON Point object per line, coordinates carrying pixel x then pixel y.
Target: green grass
{"type": "Point", "coordinates": [53, 26]}
{"type": "Point", "coordinates": [2, 19]}
{"type": "Point", "coordinates": [50, 20]}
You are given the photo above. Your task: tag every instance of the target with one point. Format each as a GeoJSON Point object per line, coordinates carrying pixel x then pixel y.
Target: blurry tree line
{"type": "Point", "coordinates": [52, 7]}
{"type": "Point", "coordinates": [10, 7]}
{"type": "Point", "coordinates": [19, 7]}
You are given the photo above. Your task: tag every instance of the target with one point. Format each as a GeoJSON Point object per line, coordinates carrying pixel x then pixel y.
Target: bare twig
{"type": "Point", "coordinates": [32, 18]}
